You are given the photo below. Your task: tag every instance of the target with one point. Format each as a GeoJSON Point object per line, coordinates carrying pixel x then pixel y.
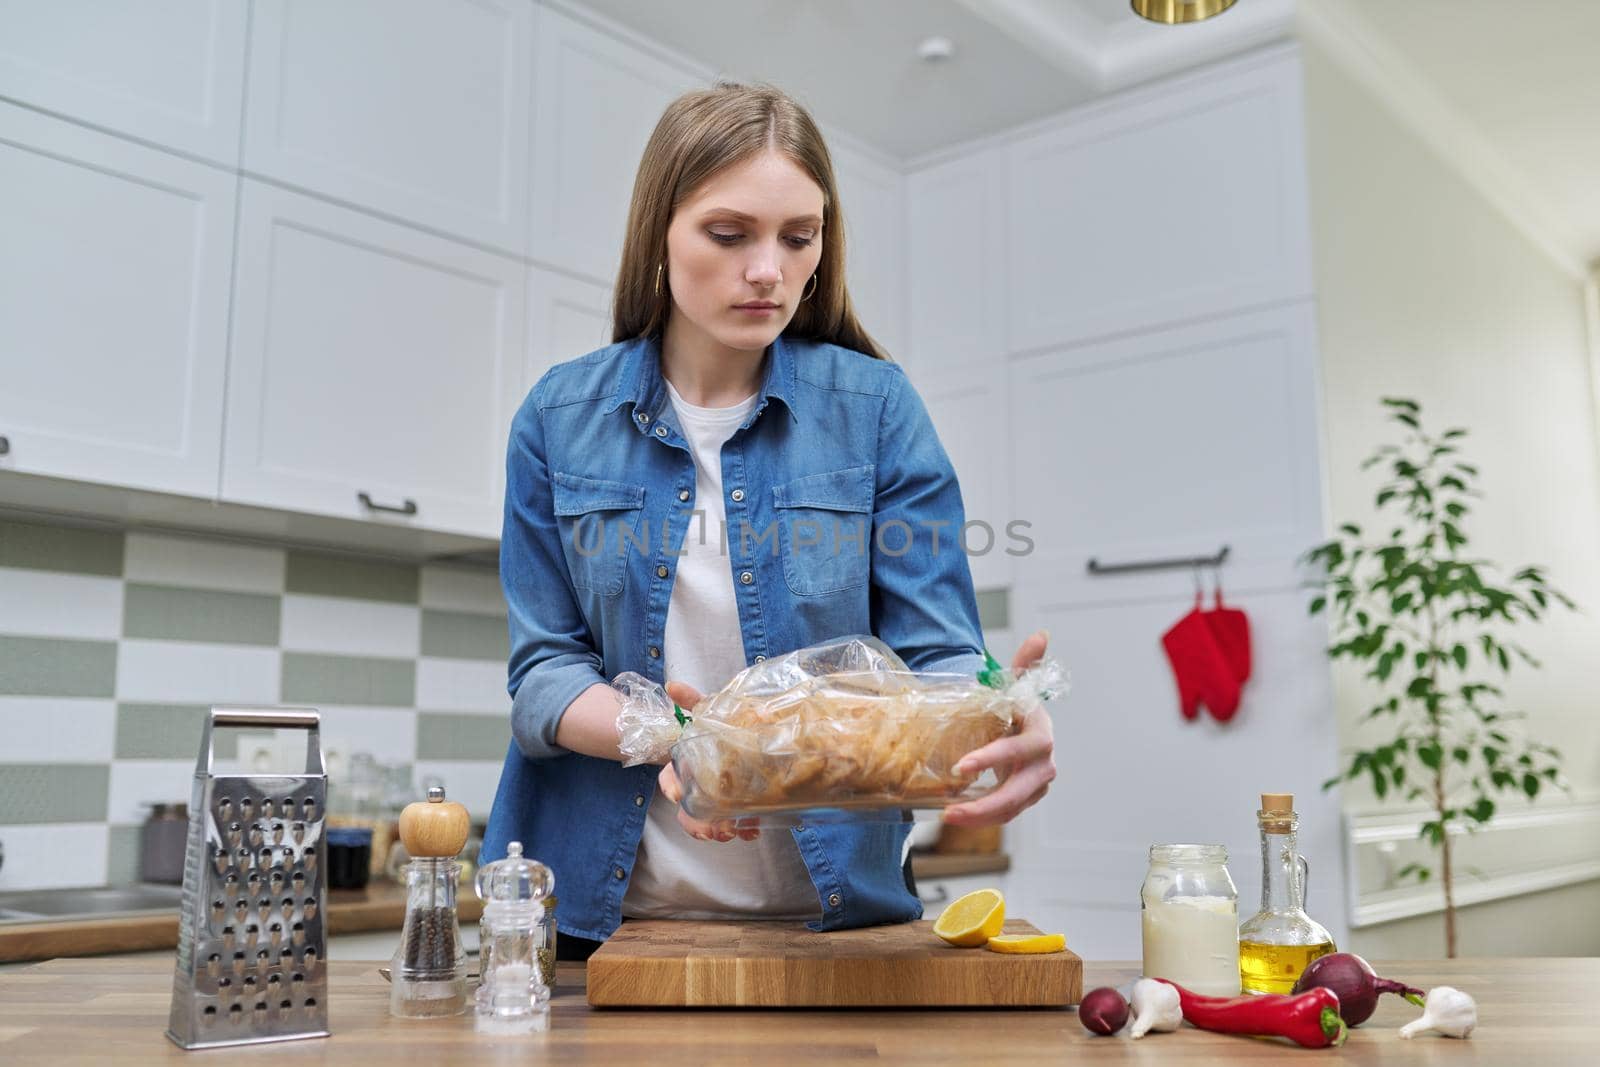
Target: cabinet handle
{"type": "Point", "coordinates": [5, 445]}
{"type": "Point", "coordinates": [407, 508]}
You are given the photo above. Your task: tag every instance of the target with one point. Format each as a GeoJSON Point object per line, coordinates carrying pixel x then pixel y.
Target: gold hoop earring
{"type": "Point", "coordinates": [659, 268]}
{"type": "Point", "coordinates": [811, 291]}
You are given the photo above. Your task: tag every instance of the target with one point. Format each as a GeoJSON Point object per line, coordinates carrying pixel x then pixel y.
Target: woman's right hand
{"type": "Point", "coordinates": [686, 696]}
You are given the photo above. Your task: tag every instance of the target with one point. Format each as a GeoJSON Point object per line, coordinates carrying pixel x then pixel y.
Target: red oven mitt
{"type": "Point", "coordinates": [1200, 666]}
{"type": "Point", "coordinates": [1231, 629]}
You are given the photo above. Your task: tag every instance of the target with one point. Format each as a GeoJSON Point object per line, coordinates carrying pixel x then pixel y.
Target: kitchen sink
{"type": "Point", "coordinates": [51, 905]}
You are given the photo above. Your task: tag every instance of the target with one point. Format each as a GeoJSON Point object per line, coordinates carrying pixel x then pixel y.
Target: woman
{"type": "Point", "coordinates": [741, 473]}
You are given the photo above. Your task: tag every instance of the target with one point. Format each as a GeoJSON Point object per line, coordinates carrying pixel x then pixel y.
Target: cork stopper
{"type": "Point", "coordinates": [1277, 813]}
{"type": "Point", "coordinates": [435, 827]}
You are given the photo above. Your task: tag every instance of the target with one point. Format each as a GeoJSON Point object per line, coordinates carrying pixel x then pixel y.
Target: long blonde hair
{"type": "Point", "coordinates": [700, 134]}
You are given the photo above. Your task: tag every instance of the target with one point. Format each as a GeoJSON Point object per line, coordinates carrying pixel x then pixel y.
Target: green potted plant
{"type": "Point", "coordinates": [1430, 625]}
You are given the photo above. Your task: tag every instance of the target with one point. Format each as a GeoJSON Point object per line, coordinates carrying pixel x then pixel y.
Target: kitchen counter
{"type": "Point", "coordinates": [380, 906]}
{"type": "Point", "coordinates": [65, 1012]}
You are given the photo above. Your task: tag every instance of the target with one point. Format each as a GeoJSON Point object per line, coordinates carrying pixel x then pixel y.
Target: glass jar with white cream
{"type": "Point", "coordinates": [1190, 915]}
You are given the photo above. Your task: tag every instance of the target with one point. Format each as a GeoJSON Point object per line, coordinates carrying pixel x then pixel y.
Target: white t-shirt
{"type": "Point", "coordinates": [674, 875]}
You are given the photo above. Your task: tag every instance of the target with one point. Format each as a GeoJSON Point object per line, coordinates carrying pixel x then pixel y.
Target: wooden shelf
{"type": "Point", "coordinates": [380, 906]}
{"type": "Point", "coordinates": [928, 865]}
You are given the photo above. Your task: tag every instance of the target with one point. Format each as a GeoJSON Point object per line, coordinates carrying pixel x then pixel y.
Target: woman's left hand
{"type": "Point", "coordinates": [747, 829]}
{"type": "Point", "coordinates": [1025, 761]}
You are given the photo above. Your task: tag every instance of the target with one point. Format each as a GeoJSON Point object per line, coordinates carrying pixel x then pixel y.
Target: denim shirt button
{"type": "Point", "coordinates": [833, 899]}
{"type": "Point", "coordinates": [747, 577]}
{"type": "Point", "coordinates": [620, 874]}
{"type": "Point", "coordinates": [655, 652]}
{"type": "Point", "coordinates": [661, 571]}
{"type": "Point", "coordinates": [638, 802]}
{"type": "Point", "coordinates": [644, 417]}
{"type": "Point", "coordinates": [683, 494]}
{"type": "Point", "coordinates": [761, 659]}
{"type": "Point", "coordinates": [738, 495]}
{"type": "Point", "coordinates": [661, 431]}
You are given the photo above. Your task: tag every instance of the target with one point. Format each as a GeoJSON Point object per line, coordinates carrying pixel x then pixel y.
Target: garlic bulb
{"type": "Point", "coordinates": [1447, 1010]}
{"type": "Point", "coordinates": [1156, 1006]}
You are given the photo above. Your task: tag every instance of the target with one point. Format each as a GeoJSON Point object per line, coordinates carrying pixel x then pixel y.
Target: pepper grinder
{"type": "Point", "coordinates": [512, 995]}
{"type": "Point", "coordinates": [429, 969]}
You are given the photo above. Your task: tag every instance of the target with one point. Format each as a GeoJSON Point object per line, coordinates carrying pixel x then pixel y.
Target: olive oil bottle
{"type": "Point", "coordinates": [1277, 942]}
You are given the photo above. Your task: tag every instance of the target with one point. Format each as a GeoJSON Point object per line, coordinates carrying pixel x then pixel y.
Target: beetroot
{"type": "Point", "coordinates": [1356, 984]}
{"type": "Point", "coordinates": [1103, 1011]}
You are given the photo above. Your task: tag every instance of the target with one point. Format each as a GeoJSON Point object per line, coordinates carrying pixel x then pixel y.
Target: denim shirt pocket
{"type": "Point", "coordinates": [824, 530]}
{"type": "Point", "coordinates": [599, 523]}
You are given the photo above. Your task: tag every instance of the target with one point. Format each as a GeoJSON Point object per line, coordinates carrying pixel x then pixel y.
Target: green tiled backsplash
{"type": "Point", "coordinates": [59, 548]}
{"type": "Point", "coordinates": [114, 645]}
{"type": "Point", "coordinates": [54, 792]}
{"type": "Point", "coordinates": [57, 667]}
{"type": "Point", "coordinates": [463, 635]}
{"type": "Point", "coordinates": [170, 613]}
{"type": "Point", "coordinates": [314, 678]}
{"type": "Point", "coordinates": [362, 579]}
{"type": "Point", "coordinates": [168, 731]}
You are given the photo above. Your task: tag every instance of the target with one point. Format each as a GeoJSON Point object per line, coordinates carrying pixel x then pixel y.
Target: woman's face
{"type": "Point", "coordinates": [741, 250]}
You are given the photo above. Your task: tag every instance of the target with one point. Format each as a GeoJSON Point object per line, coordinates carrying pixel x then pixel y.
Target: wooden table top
{"type": "Point", "coordinates": [380, 906]}
{"type": "Point", "coordinates": [1531, 1012]}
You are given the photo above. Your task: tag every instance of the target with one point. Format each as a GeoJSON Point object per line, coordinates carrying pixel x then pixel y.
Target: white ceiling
{"type": "Point", "coordinates": [853, 63]}
{"type": "Point", "coordinates": [1517, 82]}
{"type": "Point", "coordinates": [1525, 76]}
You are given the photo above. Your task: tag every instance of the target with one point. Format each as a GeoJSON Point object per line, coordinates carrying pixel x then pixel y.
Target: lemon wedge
{"type": "Point", "coordinates": [1026, 944]}
{"type": "Point", "coordinates": [971, 920]}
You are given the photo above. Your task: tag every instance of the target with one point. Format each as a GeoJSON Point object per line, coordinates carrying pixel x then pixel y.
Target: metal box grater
{"type": "Point", "coordinates": [252, 955]}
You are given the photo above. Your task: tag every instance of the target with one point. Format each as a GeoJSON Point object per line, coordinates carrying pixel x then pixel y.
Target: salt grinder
{"type": "Point", "coordinates": [429, 970]}
{"type": "Point", "coordinates": [512, 996]}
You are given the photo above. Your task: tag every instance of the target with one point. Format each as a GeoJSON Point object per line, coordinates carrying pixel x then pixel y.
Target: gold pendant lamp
{"type": "Point", "coordinates": [1172, 12]}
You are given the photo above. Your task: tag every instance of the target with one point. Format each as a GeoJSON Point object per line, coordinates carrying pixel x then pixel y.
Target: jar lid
{"type": "Point", "coordinates": [350, 836]}
{"type": "Point", "coordinates": [515, 879]}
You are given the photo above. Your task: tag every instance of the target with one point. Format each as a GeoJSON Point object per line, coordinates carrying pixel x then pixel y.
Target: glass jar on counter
{"type": "Point", "coordinates": [1189, 912]}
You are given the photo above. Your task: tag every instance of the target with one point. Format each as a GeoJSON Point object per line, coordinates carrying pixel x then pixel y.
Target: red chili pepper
{"type": "Point", "coordinates": [1310, 1019]}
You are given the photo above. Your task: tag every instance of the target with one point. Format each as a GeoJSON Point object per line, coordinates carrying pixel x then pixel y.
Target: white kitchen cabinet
{"type": "Point", "coordinates": [1183, 200]}
{"type": "Point", "coordinates": [374, 367]}
{"type": "Point", "coordinates": [597, 97]}
{"type": "Point", "coordinates": [113, 307]}
{"type": "Point", "coordinates": [872, 192]}
{"type": "Point", "coordinates": [969, 413]}
{"type": "Point", "coordinates": [956, 352]}
{"type": "Point", "coordinates": [1171, 443]}
{"type": "Point", "coordinates": [413, 108]}
{"type": "Point", "coordinates": [567, 317]}
{"type": "Point", "coordinates": [955, 242]}
{"type": "Point", "coordinates": [170, 72]}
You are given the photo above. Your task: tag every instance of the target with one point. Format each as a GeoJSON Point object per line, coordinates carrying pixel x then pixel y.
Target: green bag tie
{"type": "Point", "coordinates": [992, 675]}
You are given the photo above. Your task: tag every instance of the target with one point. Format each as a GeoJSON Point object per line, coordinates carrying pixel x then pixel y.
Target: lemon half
{"type": "Point", "coordinates": [972, 920]}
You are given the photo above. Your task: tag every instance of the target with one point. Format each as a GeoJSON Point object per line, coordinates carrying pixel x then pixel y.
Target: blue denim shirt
{"type": "Point", "coordinates": [835, 488]}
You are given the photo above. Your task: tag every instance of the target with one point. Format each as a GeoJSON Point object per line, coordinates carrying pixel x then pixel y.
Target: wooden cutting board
{"type": "Point", "coordinates": [651, 963]}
